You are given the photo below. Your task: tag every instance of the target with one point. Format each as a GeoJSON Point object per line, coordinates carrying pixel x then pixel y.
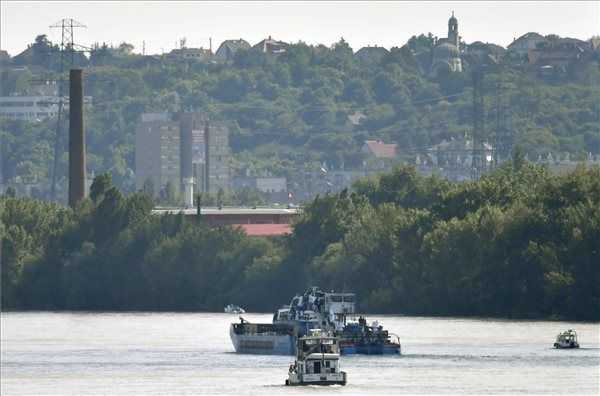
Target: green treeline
{"type": "Point", "coordinates": [520, 242]}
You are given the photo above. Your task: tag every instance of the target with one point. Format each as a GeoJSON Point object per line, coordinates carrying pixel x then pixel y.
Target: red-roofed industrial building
{"type": "Point", "coordinates": [265, 229]}
{"type": "Point", "coordinates": [253, 221]}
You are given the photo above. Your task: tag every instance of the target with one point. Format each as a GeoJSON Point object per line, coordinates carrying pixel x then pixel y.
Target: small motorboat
{"type": "Point", "coordinates": [566, 340]}
{"type": "Point", "coordinates": [234, 309]}
{"type": "Point", "coordinates": [317, 361]}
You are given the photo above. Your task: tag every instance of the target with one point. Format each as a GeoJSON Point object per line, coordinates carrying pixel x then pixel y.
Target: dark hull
{"type": "Point", "coordinates": [262, 340]}
{"type": "Point", "coordinates": [370, 349]}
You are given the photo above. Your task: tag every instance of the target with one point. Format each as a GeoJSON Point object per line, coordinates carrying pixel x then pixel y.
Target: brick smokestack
{"type": "Point", "coordinates": [76, 138]}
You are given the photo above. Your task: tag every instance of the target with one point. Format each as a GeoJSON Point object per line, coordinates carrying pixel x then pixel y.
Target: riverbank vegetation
{"type": "Point", "coordinates": [520, 242]}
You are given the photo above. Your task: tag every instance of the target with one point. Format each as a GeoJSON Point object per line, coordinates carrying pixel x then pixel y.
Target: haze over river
{"type": "Point", "coordinates": [191, 353]}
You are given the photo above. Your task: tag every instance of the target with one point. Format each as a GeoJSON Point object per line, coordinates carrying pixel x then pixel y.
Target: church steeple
{"type": "Point", "coordinates": [453, 30]}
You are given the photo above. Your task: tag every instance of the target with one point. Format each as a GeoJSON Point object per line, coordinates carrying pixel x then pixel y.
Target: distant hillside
{"type": "Point", "coordinates": [307, 104]}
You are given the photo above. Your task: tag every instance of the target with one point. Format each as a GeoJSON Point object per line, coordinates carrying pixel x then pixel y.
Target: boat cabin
{"type": "Point", "coordinates": [317, 361]}
{"type": "Point", "coordinates": [567, 339]}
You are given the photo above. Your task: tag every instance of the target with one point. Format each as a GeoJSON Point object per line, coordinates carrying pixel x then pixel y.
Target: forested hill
{"type": "Point", "coordinates": [518, 243]}
{"type": "Point", "coordinates": [303, 106]}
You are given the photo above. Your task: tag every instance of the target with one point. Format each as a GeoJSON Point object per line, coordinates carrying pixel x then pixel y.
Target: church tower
{"type": "Point", "coordinates": [453, 30]}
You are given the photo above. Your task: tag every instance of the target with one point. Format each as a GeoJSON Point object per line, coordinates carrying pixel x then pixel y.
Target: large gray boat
{"type": "Point", "coordinates": [314, 309]}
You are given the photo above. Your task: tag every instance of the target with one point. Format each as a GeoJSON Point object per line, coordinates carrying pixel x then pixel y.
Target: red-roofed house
{"type": "Point", "coordinates": [378, 149]}
{"type": "Point", "coordinates": [379, 155]}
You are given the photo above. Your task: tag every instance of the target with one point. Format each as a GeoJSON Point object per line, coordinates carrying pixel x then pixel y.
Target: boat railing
{"type": "Point", "coordinates": [396, 336]}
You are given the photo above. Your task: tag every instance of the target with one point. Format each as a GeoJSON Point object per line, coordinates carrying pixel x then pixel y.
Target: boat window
{"type": "Point", "coordinates": [317, 367]}
{"type": "Point", "coordinates": [349, 298]}
{"type": "Point", "coordinates": [335, 298]}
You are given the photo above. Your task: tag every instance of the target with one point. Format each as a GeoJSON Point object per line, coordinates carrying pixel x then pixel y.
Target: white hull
{"type": "Point", "coordinates": [317, 379]}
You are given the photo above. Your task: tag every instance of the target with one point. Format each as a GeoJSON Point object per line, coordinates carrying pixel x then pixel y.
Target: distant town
{"type": "Point", "coordinates": [183, 149]}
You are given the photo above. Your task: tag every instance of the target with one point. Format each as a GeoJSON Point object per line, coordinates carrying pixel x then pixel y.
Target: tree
{"type": "Point", "coordinates": [101, 184]}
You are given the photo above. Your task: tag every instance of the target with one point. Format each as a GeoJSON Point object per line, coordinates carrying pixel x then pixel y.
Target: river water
{"type": "Point", "coordinates": [191, 353]}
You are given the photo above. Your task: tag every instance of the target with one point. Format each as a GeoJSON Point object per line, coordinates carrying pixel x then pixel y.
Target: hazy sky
{"type": "Point", "coordinates": [387, 23]}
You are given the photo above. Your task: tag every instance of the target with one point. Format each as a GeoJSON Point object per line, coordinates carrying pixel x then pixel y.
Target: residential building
{"type": "Point", "coordinates": [219, 158]}
{"type": "Point", "coordinates": [190, 54]}
{"type": "Point", "coordinates": [479, 53]}
{"type": "Point", "coordinates": [526, 42]}
{"type": "Point", "coordinates": [28, 108]}
{"type": "Point", "coordinates": [157, 141]}
{"type": "Point", "coordinates": [557, 54]}
{"type": "Point", "coordinates": [379, 155]}
{"type": "Point", "coordinates": [271, 184]}
{"type": "Point", "coordinates": [163, 155]}
{"type": "Point", "coordinates": [228, 48]}
{"type": "Point", "coordinates": [271, 46]}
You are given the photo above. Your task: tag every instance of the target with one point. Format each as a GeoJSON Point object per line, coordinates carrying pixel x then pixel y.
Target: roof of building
{"type": "Point", "coordinates": [233, 45]}
{"type": "Point", "coordinates": [227, 211]}
{"type": "Point", "coordinates": [265, 229]}
{"type": "Point", "coordinates": [380, 149]}
{"type": "Point", "coordinates": [271, 45]}
{"type": "Point", "coordinates": [527, 36]}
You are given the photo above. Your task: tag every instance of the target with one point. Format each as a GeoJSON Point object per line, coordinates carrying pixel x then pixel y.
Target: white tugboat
{"type": "Point", "coordinates": [566, 340]}
{"type": "Point", "coordinates": [317, 361]}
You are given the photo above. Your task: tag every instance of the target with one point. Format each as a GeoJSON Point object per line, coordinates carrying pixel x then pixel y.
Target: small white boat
{"type": "Point", "coordinates": [317, 361]}
{"type": "Point", "coordinates": [566, 340]}
{"type": "Point", "coordinates": [235, 309]}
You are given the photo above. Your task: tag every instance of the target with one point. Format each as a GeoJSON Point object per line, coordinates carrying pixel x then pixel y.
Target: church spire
{"type": "Point", "coordinates": [453, 30]}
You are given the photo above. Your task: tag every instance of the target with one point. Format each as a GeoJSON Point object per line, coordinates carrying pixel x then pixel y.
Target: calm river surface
{"type": "Point", "coordinates": [169, 353]}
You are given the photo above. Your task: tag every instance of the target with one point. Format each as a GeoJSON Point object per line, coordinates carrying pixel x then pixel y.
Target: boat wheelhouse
{"type": "Point", "coordinates": [566, 340]}
{"type": "Point", "coordinates": [317, 361]}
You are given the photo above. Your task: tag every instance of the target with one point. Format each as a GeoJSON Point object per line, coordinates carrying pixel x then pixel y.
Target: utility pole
{"type": "Point", "coordinates": [67, 58]}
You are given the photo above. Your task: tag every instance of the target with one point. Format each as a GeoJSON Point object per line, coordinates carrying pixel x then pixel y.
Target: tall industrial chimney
{"type": "Point", "coordinates": [76, 138]}
{"type": "Point", "coordinates": [186, 124]}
